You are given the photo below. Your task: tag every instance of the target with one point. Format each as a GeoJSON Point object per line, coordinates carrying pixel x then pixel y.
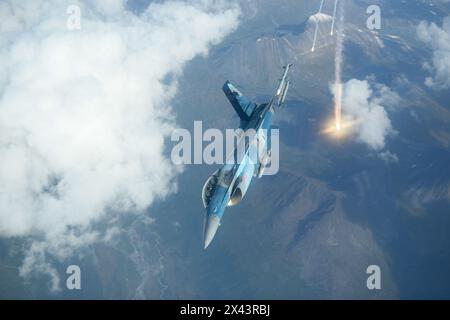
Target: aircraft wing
{"type": "Point", "coordinates": [243, 106]}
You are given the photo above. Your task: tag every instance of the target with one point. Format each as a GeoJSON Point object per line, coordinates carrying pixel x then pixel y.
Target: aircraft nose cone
{"type": "Point", "coordinates": [211, 225]}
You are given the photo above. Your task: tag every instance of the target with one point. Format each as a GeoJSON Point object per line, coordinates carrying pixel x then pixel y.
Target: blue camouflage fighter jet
{"type": "Point", "coordinates": [227, 186]}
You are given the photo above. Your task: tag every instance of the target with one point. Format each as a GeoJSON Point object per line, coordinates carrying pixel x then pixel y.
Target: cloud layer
{"type": "Point", "coordinates": [365, 106]}
{"type": "Point", "coordinates": [438, 39]}
{"type": "Point", "coordinates": [84, 113]}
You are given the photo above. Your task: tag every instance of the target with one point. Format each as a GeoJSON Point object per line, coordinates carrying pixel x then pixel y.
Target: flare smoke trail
{"type": "Point", "coordinates": [334, 16]}
{"type": "Point", "coordinates": [338, 69]}
{"type": "Point", "coordinates": [317, 27]}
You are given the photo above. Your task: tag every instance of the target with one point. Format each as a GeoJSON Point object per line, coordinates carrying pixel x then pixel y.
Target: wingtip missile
{"type": "Point", "coordinates": [285, 91]}
{"type": "Point", "coordinates": [283, 86]}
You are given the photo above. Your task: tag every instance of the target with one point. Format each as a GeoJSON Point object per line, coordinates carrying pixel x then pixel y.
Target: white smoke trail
{"type": "Point", "coordinates": [321, 6]}
{"type": "Point", "coordinates": [334, 16]}
{"type": "Point", "coordinates": [338, 69]}
{"type": "Point", "coordinates": [317, 27]}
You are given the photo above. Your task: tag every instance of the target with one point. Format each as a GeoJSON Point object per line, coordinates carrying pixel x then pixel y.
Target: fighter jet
{"type": "Point", "coordinates": [227, 186]}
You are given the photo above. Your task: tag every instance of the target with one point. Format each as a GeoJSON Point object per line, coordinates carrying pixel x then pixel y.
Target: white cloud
{"type": "Point", "coordinates": [84, 113]}
{"type": "Point", "coordinates": [365, 108]}
{"type": "Point", "coordinates": [319, 17]}
{"type": "Point", "coordinates": [438, 39]}
{"type": "Point", "coordinates": [388, 157]}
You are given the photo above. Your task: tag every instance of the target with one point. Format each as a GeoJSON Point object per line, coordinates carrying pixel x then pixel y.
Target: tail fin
{"type": "Point", "coordinates": [243, 106]}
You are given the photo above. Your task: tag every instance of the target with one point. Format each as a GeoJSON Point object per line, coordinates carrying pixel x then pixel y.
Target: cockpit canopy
{"type": "Point", "coordinates": [226, 177]}
{"type": "Point", "coordinates": [209, 188]}
{"type": "Point", "coordinates": [223, 178]}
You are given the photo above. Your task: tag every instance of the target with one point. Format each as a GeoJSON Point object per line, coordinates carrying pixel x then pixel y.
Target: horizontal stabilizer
{"type": "Point", "coordinates": [243, 106]}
